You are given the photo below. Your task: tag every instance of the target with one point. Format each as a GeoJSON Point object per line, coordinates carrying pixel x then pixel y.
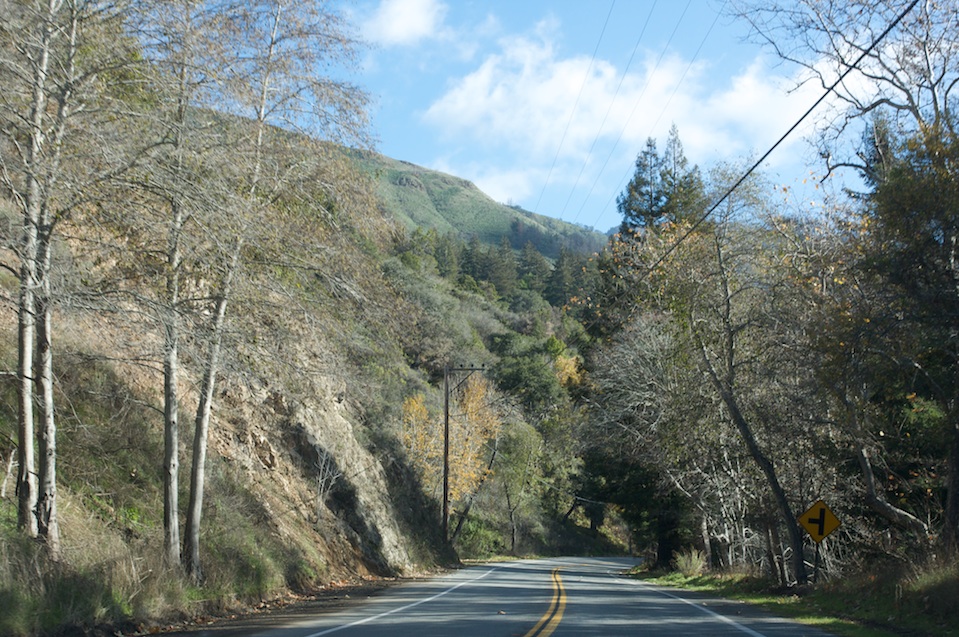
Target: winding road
{"type": "Point", "coordinates": [562, 597]}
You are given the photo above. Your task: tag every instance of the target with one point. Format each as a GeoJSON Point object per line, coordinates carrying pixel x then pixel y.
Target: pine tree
{"type": "Point", "coordinates": [534, 269]}
{"type": "Point", "coordinates": [447, 255]}
{"type": "Point", "coordinates": [562, 281]}
{"type": "Point", "coordinates": [502, 268]}
{"type": "Point", "coordinates": [643, 202]}
{"type": "Point", "coordinates": [664, 188]}
{"type": "Point", "coordinates": [683, 188]}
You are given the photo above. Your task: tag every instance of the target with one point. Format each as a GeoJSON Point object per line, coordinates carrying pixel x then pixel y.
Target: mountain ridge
{"type": "Point", "coordinates": [420, 197]}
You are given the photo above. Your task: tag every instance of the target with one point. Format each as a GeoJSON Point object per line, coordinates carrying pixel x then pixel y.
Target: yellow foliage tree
{"type": "Point", "coordinates": [423, 439]}
{"type": "Point", "coordinates": [568, 370]}
{"type": "Point", "coordinates": [474, 422]}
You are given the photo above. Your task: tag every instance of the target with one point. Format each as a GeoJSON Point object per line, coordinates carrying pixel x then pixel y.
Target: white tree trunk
{"type": "Point", "coordinates": [171, 433]}
{"type": "Point", "coordinates": [48, 526]}
{"type": "Point", "coordinates": [171, 405]}
{"type": "Point", "coordinates": [26, 456]}
{"type": "Point", "coordinates": [27, 319]}
{"type": "Point", "coordinates": [9, 472]}
{"type": "Point", "coordinates": [202, 424]}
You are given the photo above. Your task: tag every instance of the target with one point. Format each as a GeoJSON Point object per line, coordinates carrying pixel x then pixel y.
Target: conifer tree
{"type": "Point", "coordinates": [664, 187]}
{"type": "Point", "coordinates": [641, 205]}
{"type": "Point", "coordinates": [503, 268]}
{"type": "Point", "coordinates": [534, 269]}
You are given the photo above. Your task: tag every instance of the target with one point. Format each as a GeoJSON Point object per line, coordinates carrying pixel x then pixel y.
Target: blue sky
{"type": "Point", "coordinates": [509, 95]}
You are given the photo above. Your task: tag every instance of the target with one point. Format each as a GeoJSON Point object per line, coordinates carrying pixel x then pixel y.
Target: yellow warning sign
{"type": "Point", "coordinates": [819, 521]}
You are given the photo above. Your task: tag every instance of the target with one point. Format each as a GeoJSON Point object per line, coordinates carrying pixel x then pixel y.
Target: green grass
{"type": "Point", "coordinates": [919, 604]}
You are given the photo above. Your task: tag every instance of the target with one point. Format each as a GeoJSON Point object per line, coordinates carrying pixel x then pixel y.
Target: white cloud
{"type": "Point", "coordinates": [509, 123]}
{"type": "Point", "coordinates": [520, 99]}
{"type": "Point", "coordinates": [405, 22]}
{"type": "Point", "coordinates": [753, 111]}
{"type": "Point", "coordinates": [523, 96]}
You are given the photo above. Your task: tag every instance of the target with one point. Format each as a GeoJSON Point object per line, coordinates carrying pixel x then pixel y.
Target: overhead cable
{"type": "Point", "coordinates": [572, 113]}
{"type": "Point", "coordinates": [792, 128]}
{"type": "Point", "coordinates": [612, 102]}
{"type": "Point", "coordinates": [638, 100]}
{"type": "Point", "coordinates": [662, 112]}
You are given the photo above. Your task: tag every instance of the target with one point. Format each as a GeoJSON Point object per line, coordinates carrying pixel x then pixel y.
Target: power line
{"type": "Point", "coordinates": [792, 128]}
{"type": "Point", "coordinates": [609, 109]}
{"type": "Point", "coordinates": [636, 105]}
{"type": "Point", "coordinates": [666, 105]}
{"type": "Point", "coordinates": [572, 113]}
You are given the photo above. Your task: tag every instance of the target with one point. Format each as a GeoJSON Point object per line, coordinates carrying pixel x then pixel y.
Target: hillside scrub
{"type": "Point", "coordinates": [289, 417]}
{"type": "Point", "coordinates": [335, 318]}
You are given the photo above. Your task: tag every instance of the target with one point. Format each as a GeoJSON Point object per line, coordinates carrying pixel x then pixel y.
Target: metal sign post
{"type": "Point", "coordinates": [819, 522]}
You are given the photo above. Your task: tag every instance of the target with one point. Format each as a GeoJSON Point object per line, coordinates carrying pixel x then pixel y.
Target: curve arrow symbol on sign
{"type": "Point", "coordinates": [819, 521]}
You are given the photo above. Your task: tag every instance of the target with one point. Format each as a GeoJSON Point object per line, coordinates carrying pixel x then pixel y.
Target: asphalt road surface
{"type": "Point", "coordinates": [530, 598]}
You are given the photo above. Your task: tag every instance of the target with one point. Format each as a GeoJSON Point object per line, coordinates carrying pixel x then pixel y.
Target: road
{"type": "Point", "coordinates": [530, 598]}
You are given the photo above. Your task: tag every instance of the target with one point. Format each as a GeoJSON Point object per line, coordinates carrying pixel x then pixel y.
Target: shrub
{"type": "Point", "coordinates": [477, 540]}
{"type": "Point", "coordinates": [690, 562]}
{"type": "Point", "coordinates": [932, 591]}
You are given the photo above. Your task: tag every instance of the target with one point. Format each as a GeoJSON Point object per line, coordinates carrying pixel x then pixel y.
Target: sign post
{"type": "Point", "coordinates": [819, 522]}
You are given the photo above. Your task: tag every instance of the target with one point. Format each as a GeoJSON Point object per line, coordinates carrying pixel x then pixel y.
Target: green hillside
{"type": "Point", "coordinates": [422, 198]}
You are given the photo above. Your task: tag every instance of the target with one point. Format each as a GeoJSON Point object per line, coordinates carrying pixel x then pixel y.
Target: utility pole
{"type": "Point", "coordinates": [446, 453]}
{"type": "Point", "coordinates": [446, 439]}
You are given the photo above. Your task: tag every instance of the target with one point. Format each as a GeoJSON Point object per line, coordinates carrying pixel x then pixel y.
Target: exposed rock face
{"type": "Point", "coordinates": [356, 485]}
{"type": "Point", "coordinates": [305, 462]}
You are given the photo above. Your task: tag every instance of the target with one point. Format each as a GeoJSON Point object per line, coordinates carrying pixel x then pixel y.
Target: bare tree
{"type": "Point", "coordinates": [53, 106]}
{"type": "Point", "coordinates": [184, 41]}
{"type": "Point", "coordinates": [720, 351]}
{"type": "Point", "coordinates": [717, 305]}
{"type": "Point", "coordinates": [911, 75]}
{"type": "Point", "coordinates": [279, 77]}
{"type": "Point", "coordinates": [850, 310]}
{"type": "Point", "coordinates": [905, 88]}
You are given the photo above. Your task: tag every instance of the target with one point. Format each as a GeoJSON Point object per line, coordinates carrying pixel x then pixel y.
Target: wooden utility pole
{"type": "Point", "coordinates": [446, 453]}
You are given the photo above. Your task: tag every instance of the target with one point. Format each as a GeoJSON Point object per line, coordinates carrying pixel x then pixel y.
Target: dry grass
{"type": "Point", "coordinates": [917, 601]}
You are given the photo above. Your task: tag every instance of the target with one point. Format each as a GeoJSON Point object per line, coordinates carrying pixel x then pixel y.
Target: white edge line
{"type": "Point", "coordinates": [731, 622]}
{"type": "Point", "coordinates": [366, 620]}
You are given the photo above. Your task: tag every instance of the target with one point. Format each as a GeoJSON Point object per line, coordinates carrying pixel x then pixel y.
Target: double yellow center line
{"type": "Point", "coordinates": [548, 622]}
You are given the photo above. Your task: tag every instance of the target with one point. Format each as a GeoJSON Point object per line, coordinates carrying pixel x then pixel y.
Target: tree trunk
{"type": "Point", "coordinates": [202, 424]}
{"type": "Point", "coordinates": [874, 497]}
{"type": "Point", "coordinates": [764, 464]}
{"type": "Point", "coordinates": [171, 433]}
{"type": "Point", "coordinates": [950, 529]}
{"type": "Point", "coordinates": [48, 526]}
{"type": "Point", "coordinates": [27, 476]}
{"type": "Point", "coordinates": [724, 384]}
{"type": "Point", "coordinates": [511, 510]}
{"type": "Point", "coordinates": [191, 547]}
{"type": "Point", "coordinates": [26, 457]}
{"type": "Point", "coordinates": [707, 543]}
{"type": "Point", "coordinates": [8, 473]}
{"type": "Point", "coordinates": [171, 328]}
{"type": "Point", "coordinates": [776, 553]}
{"type": "Point", "coordinates": [171, 436]}
{"type": "Point", "coordinates": [878, 504]}
{"type": "Point", "coordinates": [769, 471]}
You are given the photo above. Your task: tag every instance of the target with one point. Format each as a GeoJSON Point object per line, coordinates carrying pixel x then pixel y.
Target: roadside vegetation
{"type": "Point", "coordinates": [915, 602]}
